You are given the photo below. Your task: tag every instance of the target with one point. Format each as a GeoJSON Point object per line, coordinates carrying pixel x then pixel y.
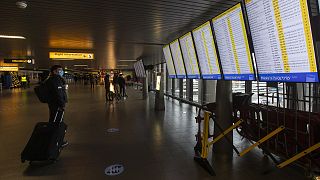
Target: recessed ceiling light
{"type": "Point", "coordinates": [21, 4]}
{"type": "Point", "coordinates": [12, 37]}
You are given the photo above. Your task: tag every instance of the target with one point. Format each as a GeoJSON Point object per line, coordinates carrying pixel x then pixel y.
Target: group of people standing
{"type": "Point", "coordinates": [119, 87]}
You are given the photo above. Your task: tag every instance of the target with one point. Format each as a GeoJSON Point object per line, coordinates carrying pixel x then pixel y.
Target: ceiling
{"type": "Point", "coordinates": [112, 29]}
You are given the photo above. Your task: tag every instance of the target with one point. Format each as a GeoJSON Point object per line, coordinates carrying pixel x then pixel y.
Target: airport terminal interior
{"type": "Point", "coordinates": [167, 89]}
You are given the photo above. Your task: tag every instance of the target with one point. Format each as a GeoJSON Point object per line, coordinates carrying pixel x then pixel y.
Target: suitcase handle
{"type": "Point", "coordinates": [55, 117]}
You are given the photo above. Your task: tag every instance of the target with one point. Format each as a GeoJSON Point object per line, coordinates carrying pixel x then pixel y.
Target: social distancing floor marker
{"type": "Point", "coordinates": [114, 170]}
{"type": "Point", "coordinates": [113, 130]}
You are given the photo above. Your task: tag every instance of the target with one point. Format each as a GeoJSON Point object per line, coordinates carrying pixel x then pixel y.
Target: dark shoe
{"type": "Point", "coordinates": [64, 144]}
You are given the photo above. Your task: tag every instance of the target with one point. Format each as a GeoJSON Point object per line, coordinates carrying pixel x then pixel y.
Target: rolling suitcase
{"type": "Point", "coordinates": [45, 141]}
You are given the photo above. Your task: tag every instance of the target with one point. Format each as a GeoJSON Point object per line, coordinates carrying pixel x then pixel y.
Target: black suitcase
{"type": "Point", "coordinates": [45, 141]}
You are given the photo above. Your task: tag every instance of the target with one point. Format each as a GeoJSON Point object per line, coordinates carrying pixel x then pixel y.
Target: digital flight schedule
{"type": "Point", "coordinates": [177, 59]}
{"type": "Point", "coordinates": [141, 69]}
{"type": "Point", "coordinates": [233, 45]}
{"type": "Point", "coordinates": [282, 40]}
{"type": "Point", "coordinates": [206, 51]}
{"type": "Point", "coordinates": [189, 56]}
{"type": "Point", "coordinates": [169, 61]}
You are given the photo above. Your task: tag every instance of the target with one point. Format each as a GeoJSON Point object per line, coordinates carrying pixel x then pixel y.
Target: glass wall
{"type": "Point", "coordinates": [184, 88]}
{"type": "Point", "coordinates": [195, 93]}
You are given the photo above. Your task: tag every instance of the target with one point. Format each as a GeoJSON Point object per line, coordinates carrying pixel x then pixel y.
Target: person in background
{"type": "Point", "coordinates": [92, 81]}
{"type": "Point", "coordinates": [107, 87]}
{"type": "Point", "coordinates": [75, 78]}
{"type": "Point", "coordinates": [97, 79]}
{"type": "Point", "coordinates": [115, 83]}
{"type": "Point", "coordinates": [57, 91]}
{"type": "Point", "coordinates": [122, 84]}
{"type": "Point", "coordinates": [28, 81]}
{"type": "Point", "coordinates": [23, 80]}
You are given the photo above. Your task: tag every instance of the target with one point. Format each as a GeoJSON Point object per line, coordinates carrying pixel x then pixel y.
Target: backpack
{"type": "Point", "coordinates": [42, 92]}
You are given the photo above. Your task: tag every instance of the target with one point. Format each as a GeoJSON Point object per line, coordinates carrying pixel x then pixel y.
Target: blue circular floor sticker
{"type": "Point", "coordinates": [114, 170]}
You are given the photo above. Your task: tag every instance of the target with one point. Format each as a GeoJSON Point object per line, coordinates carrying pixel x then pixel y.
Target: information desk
{"type": "Point", "coordinates": [189, 56]}
{"type": "Point", "coordinates": [206, 51]}
{"type": "Point", "coordinates": [177, 59]}
{"type": "Point", "coordinates": [233, 45]}
{"type": "Point", "coordinates": [282, 40]}
{"type": "Point", "coordinates": [169, 61]}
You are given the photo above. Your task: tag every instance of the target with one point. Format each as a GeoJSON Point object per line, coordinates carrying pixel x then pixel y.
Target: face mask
{"type": "Point", "coordinates": [61, 73]}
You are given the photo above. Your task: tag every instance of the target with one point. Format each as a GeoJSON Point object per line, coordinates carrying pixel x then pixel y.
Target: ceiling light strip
{"type": "Point", "coordinates": [12, 37]}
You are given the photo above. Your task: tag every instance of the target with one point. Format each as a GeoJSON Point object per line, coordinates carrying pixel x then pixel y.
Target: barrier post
{"type": "Point", "coordinates": [202, 159]}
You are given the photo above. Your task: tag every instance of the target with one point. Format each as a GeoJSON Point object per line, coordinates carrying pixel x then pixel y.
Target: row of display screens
{"type": "Point", "coordinates": [139, 69]}
{"type": "Point", "coordinates": [281, 46]}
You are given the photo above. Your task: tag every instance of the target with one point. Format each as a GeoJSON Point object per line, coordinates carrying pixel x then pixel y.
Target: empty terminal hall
{"type": "Point", "coordinates": [160, 90]}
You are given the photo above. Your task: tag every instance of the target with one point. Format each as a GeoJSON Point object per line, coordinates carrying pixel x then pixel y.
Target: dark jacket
{"type": "Point", "coordinates": [107, 83]}
{"type": "Point", "coordinates": [121, 81]}
{"type": "Point", "coordinates": [57, 89]}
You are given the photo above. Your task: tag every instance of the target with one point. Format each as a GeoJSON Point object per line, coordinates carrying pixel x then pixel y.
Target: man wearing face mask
{"type": "Point", "coordinates": [57, 90]}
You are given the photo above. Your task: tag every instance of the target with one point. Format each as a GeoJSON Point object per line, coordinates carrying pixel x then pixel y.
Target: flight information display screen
{"type": "Point", "coordinates": [177, 59]}
{"type": "Point", "coordinates": [139, 69]}
{"type": "Point", "coordinates": [189, 56]}
{"type": "Point", "coordinates": [233, 45]}
{"type": "Point", "coordinates": [206, 51]}
{"type": "Point", "coordinates": [169, 61]}
{"type": "Point", "coordinates": [136, 69]}
{"type": "Point", "coordinates": [282, 40]}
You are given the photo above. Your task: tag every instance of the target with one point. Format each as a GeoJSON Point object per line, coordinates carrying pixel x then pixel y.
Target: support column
{"type": "Point", "coordinates": [167, 81]}
{"type": "Point", "coordinates": [180, 88]}
{"type": "Point", "coordinates": [224, 116]}
{"type": "Point", "coordinates": [292, 95]}
{"type": "Point", "coordinates": [201, 91]}
{"type": "Point", "coordinates": [145, 87]}
{"type": "Point", "coordinates": [173, 85]}
{"type": "Point", "coordinates": [316, 101]}
{"type": "Point", "coordinates": [190, 89]}
{"type": "Point", "coordinates": [210, 91]}
{"type": "Point", "coordinates": [248, 88]}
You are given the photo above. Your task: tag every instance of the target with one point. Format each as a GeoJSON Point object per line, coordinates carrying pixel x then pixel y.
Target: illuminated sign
{"type": "Point", "coordinates": [189, 56]}
{"type": "Point", "coordinates": [9, 68]}
{"type": "Point", "coordinates": [207, 52]}
{"type": "Point", "coordinates": [282, 40]}
{"type": "Point", "coordinates": [29, 61]}
{"type": "Point", "coordinates": [177, 59]}
{"type": "Point", "coordinates": [169, 61]}
{"type": "Point", "coordinates": [70, 56]}
{"type": "Point", "coordinates": [233, 45]}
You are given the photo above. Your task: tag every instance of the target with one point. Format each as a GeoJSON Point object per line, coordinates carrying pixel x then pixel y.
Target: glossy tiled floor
{"type": "Point", "coordinates": [151, 145]}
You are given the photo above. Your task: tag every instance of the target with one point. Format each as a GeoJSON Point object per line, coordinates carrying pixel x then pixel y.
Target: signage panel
{"type": "Point", "coordinates": [206, 51]}
{"type": "Point", "coordinates": [9, 68]}
{"type": "Point", "coordinates": [70, 56]}
{"type": "Point", "coordinates": [169, 61]}
{"type": "Point", "coordinates": [233, 45]}
{"type": "Point", "coordinates": [177, 59]}
{"type": "Point", "coordinates": [189, 56]}
{"type": "Point", "coordinates": [282, 40]}
{"type": "Point", "coordinates": [29, 61]}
